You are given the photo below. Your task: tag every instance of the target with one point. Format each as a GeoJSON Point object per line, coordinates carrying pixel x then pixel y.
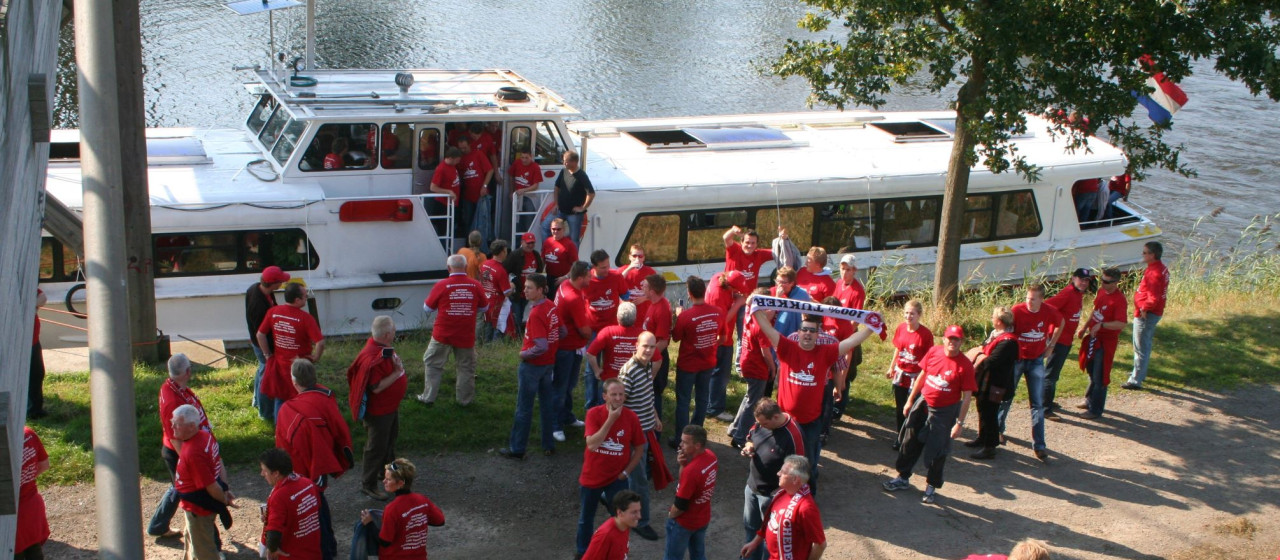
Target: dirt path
{"type": "Point", "coordinates": [1164, 475]}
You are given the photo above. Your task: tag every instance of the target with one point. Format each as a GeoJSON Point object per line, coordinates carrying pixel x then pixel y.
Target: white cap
{"type": "Point", "coordinates": [849, 259]}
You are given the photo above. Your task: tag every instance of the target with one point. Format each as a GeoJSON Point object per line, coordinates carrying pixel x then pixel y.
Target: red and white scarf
{"type": "Point", "coordinates": [786, 525]}
{"type": "Point", "coordinates": [871, 319]}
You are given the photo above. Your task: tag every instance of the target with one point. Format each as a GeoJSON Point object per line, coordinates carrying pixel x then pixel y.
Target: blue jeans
{"type": "Point", "coordinates": [680, 540]}
{"type": "Point", "coordinates": [591, 386]}
{"type": "Point", "coordinates": [574, 220]}
{"type": "Point", "coordinates": [517, 312]}
{"type": "Point", "coordinates": [1034, 370]}
{"type": "Point", "coordinates": [168, 505]}
{"type": "Point", "coordinates": [746, 411]}
{"type": "Point", "coordinates": [533, 381]}
{"type": "Point", "coordinates": [1053, 370]}
{"type": "Point", "coordinates": [695, 385]}
{"type": "Point", "coordinates": [482, 221]}
{"type": "Point", "coordinates": [720, 380]}
{"type": "Point", "coordinates": [639, 483]}
{"type": "Point", "coordinates": [811, 434]}
{"type": "Point", "coordinates": [755, 509]}
{"type": "Point", "coordinates": [266, 408]}
{"type": "Point", "coordinates": [588, 499]}
{"type": "Point", "coordinates": [563, 381]}
{"type": "Point", "coordinates": [1144, 332]}
{"type": "Point", "coordinates": [1096, 395]}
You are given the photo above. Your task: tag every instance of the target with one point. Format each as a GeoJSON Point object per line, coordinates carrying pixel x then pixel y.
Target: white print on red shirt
{"type": "Point", "coordinates": [804, 377]}
{"type": "Point", "coordinates": [612, 446]}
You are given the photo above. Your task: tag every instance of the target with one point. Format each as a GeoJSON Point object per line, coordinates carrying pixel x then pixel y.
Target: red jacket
{"type": "Point", "coordinates": [311, 429]}
{"type": "Point", "coordinates": [1153, 290]}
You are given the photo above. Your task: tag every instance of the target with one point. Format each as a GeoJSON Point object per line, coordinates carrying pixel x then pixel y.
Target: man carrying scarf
{"type": "Point", "coordinates": [794, 530]}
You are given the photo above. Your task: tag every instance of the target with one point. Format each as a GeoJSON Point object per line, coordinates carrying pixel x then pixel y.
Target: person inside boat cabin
{"type": "Point", "coordinates": [445, 181]}
{"type": "Point", "coordinates": [476, 171]}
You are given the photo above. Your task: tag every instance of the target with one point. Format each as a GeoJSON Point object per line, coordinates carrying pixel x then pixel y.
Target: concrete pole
{"type": "Point", "coordinates": [115, 444]}
{"type": "Point", "coordinates": [308, 61]}
{"type": "Point", "coordinates": [133, 175]}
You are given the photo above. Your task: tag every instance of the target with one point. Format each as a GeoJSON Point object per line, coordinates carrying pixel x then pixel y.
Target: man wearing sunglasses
{"type": "Point", "coordinates": [1101, 335]}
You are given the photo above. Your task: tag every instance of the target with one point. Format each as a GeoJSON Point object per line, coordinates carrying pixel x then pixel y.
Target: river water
{"type": "Point", "coordinates": [627, 59]}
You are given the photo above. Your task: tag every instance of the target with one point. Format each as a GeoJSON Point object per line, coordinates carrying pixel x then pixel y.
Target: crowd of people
{"type": "Point", "coordinates": [797, 346]}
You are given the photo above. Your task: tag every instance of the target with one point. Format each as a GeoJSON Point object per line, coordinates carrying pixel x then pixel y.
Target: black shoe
{"type": "Point", "coordinates": [896, 446]}
{"type": "Point", "coordinates": [647, 533]}
{"type": "Point", "coordinates": [973, 443]}
{"type": "Point", "coordinates": [548, 452]}
{"type": "Point", "coordinates": [1131, 385]}
{"type": "Point", "coordinates": [1043, 456]}
{"type": "Point", "coordinates": [36, 414]}
{"type": "Point", "coordinates": [737, 444]}
{"type": "Point", "coordinates": [1051, 415]}
{"type": "Point", "coordinates": [985, 453]}
{"type": "Point", "coordinates": [505, 452]}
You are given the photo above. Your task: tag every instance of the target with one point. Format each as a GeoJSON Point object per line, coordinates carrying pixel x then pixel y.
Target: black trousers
{"type": "Point", "coordinates": [900, 395]}
{"type": "Point", "coordinates": [379, 447]}
{"type": "Point", "coordinates": [988, 421]}
{"type": "Point", "coordinates": [35, 389]}
{"type": "Point", "coordinates": [660, 382]}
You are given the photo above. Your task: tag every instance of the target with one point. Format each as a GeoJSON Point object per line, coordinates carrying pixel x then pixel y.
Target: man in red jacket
{"type": "Point", "coordinates": [378, 383]}
{"type": "Point", "coordinates": [1148, 307]}
{"type": "Point", "coordinates": [311, 429]}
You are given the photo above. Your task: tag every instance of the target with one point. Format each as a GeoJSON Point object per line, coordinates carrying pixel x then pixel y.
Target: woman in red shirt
{"type": "Point", "coordinates": [911, 341]}
{"type": "Point", "coordinates": [406, 519]}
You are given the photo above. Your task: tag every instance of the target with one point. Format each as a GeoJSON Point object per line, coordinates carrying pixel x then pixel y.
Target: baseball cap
{"type": "Point", "coordinates": [528, 237]}
{"type": "Point", "coordinates": [273, 275]}
{"type": "Point", "coordinates": [954, 331]}
{"type": "Point", "coordinates": [1082, 273]}
{"type": "Point", "coordinates": [737, 281]}
{"type": "Point", "coordinates": [849, 259]}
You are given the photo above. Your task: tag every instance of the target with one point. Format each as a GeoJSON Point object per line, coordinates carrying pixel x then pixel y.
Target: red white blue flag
{"type": "Point", "coordinates": [1167, 98]}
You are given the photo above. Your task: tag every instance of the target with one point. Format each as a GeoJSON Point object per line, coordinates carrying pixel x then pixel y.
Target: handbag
{"type": "Point", "coordinates": [995, 394]}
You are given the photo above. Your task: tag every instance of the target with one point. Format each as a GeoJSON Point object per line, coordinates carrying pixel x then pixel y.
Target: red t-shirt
{"type": "Point", "coordinates": [199, 465]}
{"type": "Point", "coordinates": [525, 176]}
{"type": "Point", "coordinates": [614, 345]}
{"type": "Point", "coordinates": [609, 542]}
{"type": "Point", "coordinates": [839, 328]}
{"type": "Point", "coordinates": [722, 298]}
{"type": "Point", "coordinates": [602, 466]}
{"type": "Point", "coordinates": [387, 401]}
{"type": "Point", "coordinates": [802, 378]}
{"type": "Point", "coordinates": [697, 484]}
{"type": "Point", "coordinates": [657, 319]}
{"type": "Point", "coordinates": [819, 286]}
{"type": "Point", "coordinates": [171, 397]}
{"type": "Point", "coordinates": [293, 332]}
{"type": "Point", "coordinates": [749, 265]}
{"type": "Point", "coordinates": [698, 332]}
{"type": "Point", "coordinates": [1109, 308]}
{"type": "Point", "coordinates": [404, 524]}
{"type": "Point", "coordinates": [483, 143]}
{"type": "Point", "coordinates": [33, 523]}
{"type": "Point", "coordinates": [1068, 302]}
{"type": "Point", "coordinates": [473, 166]}
{"type": "Point", "coordinates": [750, 360]}
{"type": "Point", "coordinates": [603, 296]}
{"type": "Point", "coordinates": [293, 509]}
{"type": "Point", "coordinates": [496, 284]}
{"type": "Point", "coordinates": [333, 161]}
{"type": "Point", "coordinates": [457, 300]}
{"type": "Point", "coordinates": [946, 377]}
{"type": "Point", "coordinates": [1034, 329]}
{"type": "Point", "coordinates": [853, 296]}
{"type": "Point", "coordinates": [633, 277]}
{"type": "Point", "coordinates": [573, 313]}
{"type": "Point", "coordinates": [446, 177]}
{"type": "Point", "coordinates": [806, 526]}
{"type": "Point", "coordinates": [1152, 290]}
{"type": "Point", "coordinates": [909, 349]}
{"type": "Point", "coordinates": [544, 322]}
{"type": "Point", "coordinates": [558, 255]}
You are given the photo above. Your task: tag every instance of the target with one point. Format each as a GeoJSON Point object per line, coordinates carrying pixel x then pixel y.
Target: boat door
{"type": "Point", "coordinates": [546, 145]}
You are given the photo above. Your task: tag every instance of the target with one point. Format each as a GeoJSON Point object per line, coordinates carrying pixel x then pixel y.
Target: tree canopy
{"type": "Point", "coordinates": [1076, 62]}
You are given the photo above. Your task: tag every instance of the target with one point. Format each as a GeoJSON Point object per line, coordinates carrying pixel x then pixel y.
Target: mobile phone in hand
{"type": "Point", "coordinates": [388, 352]}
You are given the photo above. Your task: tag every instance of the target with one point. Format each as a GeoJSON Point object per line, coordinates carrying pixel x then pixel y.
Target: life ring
{"type": "Point", "coordinates": [71, 307]}
{"type": "Point", "coordinates": [511, 93]}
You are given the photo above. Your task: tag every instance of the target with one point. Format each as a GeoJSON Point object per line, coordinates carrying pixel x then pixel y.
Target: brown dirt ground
{"type": "Point", "coordinates": [1178, 475]}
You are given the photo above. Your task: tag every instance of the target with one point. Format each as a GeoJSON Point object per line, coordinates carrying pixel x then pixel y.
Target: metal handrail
{"type": "Point", "coordinates": [540, 198]}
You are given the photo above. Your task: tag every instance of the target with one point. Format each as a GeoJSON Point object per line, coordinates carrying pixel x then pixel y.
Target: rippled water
{"type": "Point", "coordinates": [621, 58]}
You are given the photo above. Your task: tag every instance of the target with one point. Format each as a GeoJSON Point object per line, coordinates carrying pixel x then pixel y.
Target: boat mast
{"type": "Point", "coordinates": [309, 56]}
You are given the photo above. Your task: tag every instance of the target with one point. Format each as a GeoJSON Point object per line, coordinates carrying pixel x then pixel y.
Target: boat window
{"type": "Point", "coordinates": [1017, 216]}
{"type": "Point", "coordinates": [260, 113]}
{"type": "Point", "coordinates": [58, 263]}
{"type": "Point", "coordinates": [911, 222]}
{"type": "Point", "coordinates": [340, 146]}
{"type": "Point", "coordinates": [550, 147]}
{"type": "Point", "coordinates": [845, 227]}
{"type": "Point", "coordinates": [705, 235]}
{"type": "Point", "coordinates": [976, 224]}
{"type": "Point", "coordinates": [271, 132]}
{"type": "Point", "coordinates": [288, 140]}
{"type": "Point", "coordinates": [232, 252]}
{"type": "Point", "coordinates": [660, 235]}
{"type": "Point", "coordinates": [797, 219]}
{"type": "Point", "coordinates": [428, 148]}
{"type": "Point", "coordinates": [519, 140]}
{"type": "Point", "coordinates": [396, 148]}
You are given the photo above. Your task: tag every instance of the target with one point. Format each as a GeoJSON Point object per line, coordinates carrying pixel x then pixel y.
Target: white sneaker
{"type": "Point", "coordinates": [579, 424]}
{"type": "Point", "coordinates": [558, 435]}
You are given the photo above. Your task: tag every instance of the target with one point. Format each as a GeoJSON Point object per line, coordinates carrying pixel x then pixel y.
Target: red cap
{"type": "Point", "coordinates": [954, 331]}
{"type": "Point", "coordinates": [737, 281]}
{"type": "Point", "coordinates": [528, 237]}
{"type": "Point", "coordinates": [273, 275]}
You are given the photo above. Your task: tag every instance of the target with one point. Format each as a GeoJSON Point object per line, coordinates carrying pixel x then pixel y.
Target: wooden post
{"type": "Point", "coordinates": [29, 50]}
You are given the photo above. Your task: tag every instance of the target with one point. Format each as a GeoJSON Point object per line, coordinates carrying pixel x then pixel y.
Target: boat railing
{"type": "Point", "coordinates": [527, 207]}
{"type": "Point", "coordinates": [1126, 213]}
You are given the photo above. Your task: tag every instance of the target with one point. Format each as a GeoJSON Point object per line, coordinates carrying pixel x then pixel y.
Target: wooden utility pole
{"type": "Point", "coordinates": [113, 413]}
{"type": "Point", "coordinates": [140, 273]}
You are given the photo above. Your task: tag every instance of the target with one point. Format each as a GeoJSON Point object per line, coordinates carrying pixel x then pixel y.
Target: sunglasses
{"type": "Point", "coordinates": [637, 256]}
{"type": "Point", "coordinates": [1112, 281]}
{"type": "Point", "coordinates": [809, 329]}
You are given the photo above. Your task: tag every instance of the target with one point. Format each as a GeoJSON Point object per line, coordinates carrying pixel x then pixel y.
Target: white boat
{"type": "Point", "coordinates": [227, 203]}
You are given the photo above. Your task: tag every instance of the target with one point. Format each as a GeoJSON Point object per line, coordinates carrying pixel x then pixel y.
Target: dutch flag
{"type": "Point", "coordinates": [1167, 98]}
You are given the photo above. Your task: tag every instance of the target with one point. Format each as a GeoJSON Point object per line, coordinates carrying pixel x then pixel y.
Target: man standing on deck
{"type": "Point", "coordinates": [573, 196]}
{"type": "Point", "coordinates": [258, 300]}
{"type": "Point", "coordinates": [1148, 308]}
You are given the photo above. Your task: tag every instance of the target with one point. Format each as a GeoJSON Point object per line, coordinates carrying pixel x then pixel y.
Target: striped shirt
{"type": "Point", "coordinates": [638, 382]}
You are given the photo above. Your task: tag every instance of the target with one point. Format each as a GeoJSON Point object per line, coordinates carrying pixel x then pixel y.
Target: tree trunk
{"type": "Point", "coordinates": [947, 268]}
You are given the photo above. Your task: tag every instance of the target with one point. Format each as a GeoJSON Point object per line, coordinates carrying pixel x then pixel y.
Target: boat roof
{"type": "Point", "coordinates": [444, 94]}
{"type": "Point", "coordinates": [804, 148]}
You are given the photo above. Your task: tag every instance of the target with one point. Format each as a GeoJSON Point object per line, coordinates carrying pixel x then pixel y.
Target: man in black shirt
{"type": "Point", "coordinates": [775, 436]}
{"type": "Point", "coordinates": [573, 194]}
{"type": "Point", "coordinates": [259, 298]}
